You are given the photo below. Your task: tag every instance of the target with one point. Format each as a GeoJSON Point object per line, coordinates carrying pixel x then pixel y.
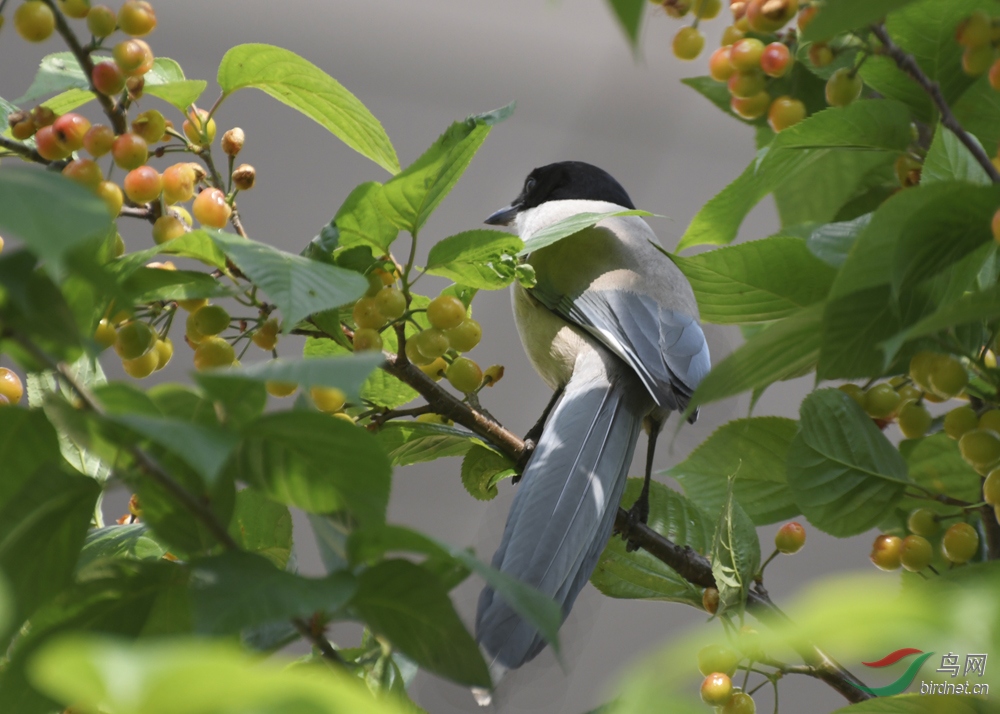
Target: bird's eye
{"type": "Point", "coordinates": [529, 185]}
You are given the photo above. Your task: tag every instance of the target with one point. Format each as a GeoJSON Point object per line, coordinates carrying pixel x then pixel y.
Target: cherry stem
{"type": "Point", "coordinates": [908, 64]}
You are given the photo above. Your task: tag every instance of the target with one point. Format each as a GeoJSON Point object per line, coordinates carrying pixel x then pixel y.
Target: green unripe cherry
{"type": "Point", "coordinates": [134, 339]}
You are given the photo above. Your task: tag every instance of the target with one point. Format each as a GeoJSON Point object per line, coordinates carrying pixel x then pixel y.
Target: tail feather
{"type": "Point", "coordinates": [564, 509]}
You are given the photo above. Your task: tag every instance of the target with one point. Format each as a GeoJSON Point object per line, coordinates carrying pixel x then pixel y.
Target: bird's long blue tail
{"type": "Point", "coordinates": [564, 510]}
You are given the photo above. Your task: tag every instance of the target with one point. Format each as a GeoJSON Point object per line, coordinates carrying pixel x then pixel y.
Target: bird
{"type": "Point", "coordinates": [612, 327]}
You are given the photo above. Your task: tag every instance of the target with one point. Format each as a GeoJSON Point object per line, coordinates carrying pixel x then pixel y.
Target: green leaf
{"type": "Point", "coordinates": [371, 544]}
{"type": "Point", "coordinates": [50, 214]}
{"type": "Point", "coordinates": [414, 442]}
{"type": "Point", "coordinates": [473, 258]}
{"type": "Point", "coordinates": [42, 529]}
{"type": "Point", "coordinates": [838, 17]}
{"type": "Point", "coordinates": [217, 677]}
{"type": "Point", "coordinates": [262, 526]}
{"type": "Point", "coordinates": [347, 373]}
{"type": "Point", "coordinates": [305, 87]}
{"type": "Point", "coordinates": [785, 349]}
{"type": "Point", "coordinates": [853, 328]}
{"type": "Point", "coordinates": [639, 575]}
{"type": "Point", "coordinates": [735, 552]}
{"type": "Point", "coordinates": [362, 219]}
{"type": "Point", "coordinates": [758, 281]}
{"type": "Point", "coordinates": [166, 80]}
{"type": "Point", "coordinates": [753, 449]}
{"type": "Point", "coordinates": [413, 194]}
{"type": "Point", "coordinates": [237, 590]}
{"type": "Point", "coordinates": [314, 462]}
{"type": "Point", "coordinates": [147, 285]}
{"type": "Point", "coordinates": [332, 532]}
{"type": "Point", "coordinates": [27, 441]}
{"type": "Point", "coordinates": [57, 72]}
{"type": "Point", "coordinates": [236, 401]}
{"type": "Point", "coordinates": [381, 388]}
{"type": "Point", "coordinates": [297, 285]}
{"type": "Point", "coordinates": [629, 14]}
{"type": "Point", "coordinates": [568, 226]}
{"type": "Point", "coordinates": [843, 472]}
{"type": "Point", "coordinates": [949, 160]}
{"type": "Point", "coordinates": [128, 542]}
{"type": "Point", "coordinates": [978, 111]}
{"type": "Point", "coordinates": [482, 469]}
{"type": "Point", "coordinates": [832, 242]}
{"type": "Point", "coordinates": [196, 244]}
{"type": "Point", "coordinates": [921, 704]}
{"type": "Point", "coordinates": [971, 307]}
{"type": "Point", "coordinates": [410, 607]}
{"type": "Point", "coordinates": [935, 463]}
{"type": "Point", "coordinates": [878, 126]}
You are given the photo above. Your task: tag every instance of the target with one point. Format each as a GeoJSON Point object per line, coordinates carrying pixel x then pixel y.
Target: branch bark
{"type": "Point", "coordinates": [908, 64]}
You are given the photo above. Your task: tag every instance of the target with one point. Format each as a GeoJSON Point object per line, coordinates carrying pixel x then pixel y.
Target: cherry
{"type": "Point", "coordinates": [143, 184]}
{"type": "Point", "coordinates": [133, 57]}
{"type": "Point", "coordinates": [232, 141]}
{"type": "Point", "coordinates": [710, 600]}
{"type": "Point", "coordinates": [130, 151]}
{"type": "Point", "coordinates": [77, 9]}
{"type": "Point", "coordinates": [211, 209]}
{"type": "Point", "coordinates": [192, 304]}
{"type": "Point", "coordinates": [244, 177]}
{"type": "Point", "coordinates": [112, 196]}
{"type": "Point", "coordinates": [744, 85]}
{"type": "Point", "coordinates": [745, 55]}
{"type": "Point", "coordinates": [436, 369]}
{"type": "Point", "coordinates": [465, 336]}
{"type": "Point", "coordinates": [167, 228]}
{"type": "Point", "coordinates": [101, 21]}
{"type": "Point", "coordinates": [431, 343]}
{"type": "Point", "coordinates": [134, 339]}
{"type": "Point", "coordinates": [47, 144]}
{"type": "Point", "coordinates": [688, 43]}
{"type": "Point", "coordinates": [280, 389]}
{"type": "Point", "coordinates": [150, 125]}
{"type": "Point", "coordinates": [105, 334]}
{"type": "Point", "coordinates": [975, 30]}
{"type": "Point", "coordinates": [178, 183]}
{"type": "Point", "coordinates": [22, 126]}
{"type": "Point", "coordinates": [843, 87]}
{"type": "Point", "coordinates": [367, 340]}
{"type": "Point", "coordinates": [995, 226]}
{"type": "Point", "coordinates": [85, 172]}
{"type": "Point", "coordinates": [790, 538]}
{"type": "Point", "coordinates": [731, 35]}
{"type": "Point", "coordinates": [976, 60]}
{"type": "Point", "coordinates": [854, 392]}
{"type": "Point", "coordinates": [34, 21]}
{"type": "Point", "coordinates": [990, 419]}
{"type": "Point", "coordinates": [390, 302]}
{"type": "Point", "coordinates": [142, 366]}
{"type": "Point", "coordinates": [914, 420]}
{"type": "Point", "coordinates": [776, 60]}
{"type": "Point", "coordinates": [70, 130]}
{"type": "Point", "coordinates": [107, 78]}
{"type": "Point", "coordinates": [328, 399]}
{"type": "Point", "coordinates": [136, 18]}
{"type": "Point", "coordinates": [493, 374]}
{"type": "Point", "coordinates": [785, 112]}
{"type": "Point", "coordinates": [960, 543]}
{"type": "Point", "coordinates": [806, 16]}
{"type": "Point", "coordinates": [881, 401]}
{"type": "Point", "coordinates": [716, 658]}
{"type": "Point", "coordinates": [98, 140]}
{"type": "Point", "coordinates": [991, 488]}
{"type": "Point", "coordinates": [415, 355]}
{"type": "Point", "coordinates": [707, 9]}
{"type": "Point", "coordinates": [716, 689]}
{"type": "Point", "coordinates": [719, 65]}
{"type": "Point", "coordinates": [119, 245]}
{"type": "Point", "coordinates": [741, 703]}
{"type": "Point", "coordinates": [886, 552]}
{"type": "Point", "coordinates": [981, 448]}
{"type": "Point", "coordinates": [915, 553]}
{"type": "Point", "coordinates": [164, 350]}
{"type": "Point", "coordinates": [770, 15]}
{"type": "Point", "coordinates": [367, 314]}
{"type": "Point", "coordinates": [923, 522]}
{"type": "Point", "coordinates": [210, 319]}
{"type": "Point", "coordinates": [748, 641]}
{"type": "Point", "coordinates": [191, 331]}
{"type": "Point", "coordinates": [213, 352]}
{"type": "Point", "coordinates": [820, 54]}
{"type": "Point", "coordinates": [465, 375]}
{"type": "Point", "coordinates": [751, 107]}
{"type": "Point", "coordinates": [266, 336]}
{"type": "Point", "coordinates": [11, 388]}
{"type": "Point", "coordinates": [947, 377]}
{"type": "Point", "coordinates": [445, 312]}
{"type": "Point", "coordinates": [199, 128]}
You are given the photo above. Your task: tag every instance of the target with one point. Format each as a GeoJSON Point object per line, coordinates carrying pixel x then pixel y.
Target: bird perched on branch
{"type": "Point", "coordinates": [612, 327]}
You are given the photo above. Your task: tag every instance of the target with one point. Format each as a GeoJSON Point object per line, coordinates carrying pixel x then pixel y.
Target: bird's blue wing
{"type": "Point", "coordinates": [666, 348]}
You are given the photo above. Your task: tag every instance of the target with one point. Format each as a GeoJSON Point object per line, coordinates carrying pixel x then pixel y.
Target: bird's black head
{"type": "Point", "coordinates": [565, 180]}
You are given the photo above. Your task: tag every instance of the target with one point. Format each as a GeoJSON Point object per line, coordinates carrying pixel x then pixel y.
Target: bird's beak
{"type": "Point", "coordinates": [504, 217]}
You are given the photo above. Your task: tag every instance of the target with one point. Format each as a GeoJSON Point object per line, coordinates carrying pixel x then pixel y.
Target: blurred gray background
{"type": "Point", "coordinates": [581, 94]}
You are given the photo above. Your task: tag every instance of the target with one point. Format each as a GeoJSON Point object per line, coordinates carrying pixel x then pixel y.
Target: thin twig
{"type": "Point", "coordinates": [111, 109]}
{"type": "Point", "coordinates": [908, 64]}
{"type": "Point", "coordinates": [23, 150]}
{"type": "Point", "coordinates": [992, 528]}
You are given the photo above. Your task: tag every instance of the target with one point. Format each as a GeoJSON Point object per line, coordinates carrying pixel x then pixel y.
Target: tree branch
{"type": "Point", "coordinates": [111, 108]}
{"type": "Point", "coordinates": [992, 528]}
{"type": "Point", "coordinates": [22, 150]}
{"type": "Point", "coordinates": [908, 64]}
